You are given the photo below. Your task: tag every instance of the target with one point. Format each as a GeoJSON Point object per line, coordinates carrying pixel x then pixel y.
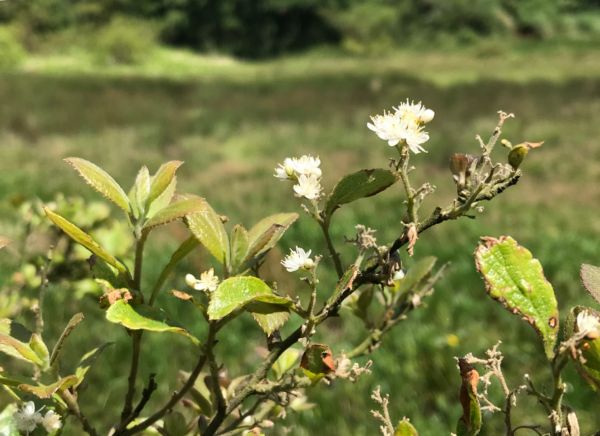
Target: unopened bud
{"type": "Point", "coordinates": [427, 116]}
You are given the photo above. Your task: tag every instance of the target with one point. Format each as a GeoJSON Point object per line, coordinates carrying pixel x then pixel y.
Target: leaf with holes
{"type": "Point", "coordinates": [101, 181]}
{"type": "Point", "coordinates": [361, 184]}
{"type": "Point", "coordinates": [208, 228]}
{"type": "Point", "coordinates": [123, 313]}
{"type": "Point", "coordinates": [84, 239]}
{"type": "Point", "coordinates": [590, 276]}
{"type": "Point", "coordinates": [515, 279]}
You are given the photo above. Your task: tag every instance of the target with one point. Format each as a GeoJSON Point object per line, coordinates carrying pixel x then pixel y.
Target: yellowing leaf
{"type": "Point", "coordinates": [46, 391]}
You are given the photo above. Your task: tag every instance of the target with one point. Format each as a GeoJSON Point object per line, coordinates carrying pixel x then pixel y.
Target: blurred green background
{"type": "Point", "coordinates": [232, 87]}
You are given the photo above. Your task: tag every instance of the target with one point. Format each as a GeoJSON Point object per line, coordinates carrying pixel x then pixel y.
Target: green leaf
{"type": "Point", "coordinates": [46, 391]}
{"type": "Point", "coordinates": [590, 276]}
{"type": "Point", "coordinates": [237, 292]}
{"type": "Point", "coordinates": [285, 362]}
{"type": "Point", "coordinates": [39, 347]}
{"type": "Point", "coordinates": [318, 359]}
{"type": "Point", "coordinates": [123, 313]}
{"type": "Point", "coordinates": [174, 211]}
{"type": "Point", "coordinates": [264, 234]}
{"type": "Point", "coordinates": [84, 239]}
{"type": "Point", "coordinates": [239, 245]}
{"type": "Point", "coordinates": [139, 192]}
{"type": "Point", "coordinates": [515, 279]}
{"type": "Point", "coordinates": [87, 361]}
{"type": "Point", "coordinates": [73, 322]}
{"type": "Point", "coordinates": [162, 179]}
{"type": "Point", "coordinates": [208, 228]}
{"type": "Point", "coordinates": [175, 425]}
{"type": "Point", "coordinates": [344, 283]}
{"type": "Point", "coordinates": [405, 428]}
{"type": "Point", "coordinates": [163, 200]}
{"type": "Point", "coordinates": [416, 274]}
{"type": "Point", "coordinates": [273, 320]}
{"type": "Point", "coordinates": [20, 350]}
{"type": "Point", "coordinates": [361, 184]}
{"type": "Point", "coordinates": [101, 181]}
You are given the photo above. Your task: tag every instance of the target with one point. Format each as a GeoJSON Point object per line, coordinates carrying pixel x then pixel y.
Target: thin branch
{"type": "Point", "coordinates": [73, 407]}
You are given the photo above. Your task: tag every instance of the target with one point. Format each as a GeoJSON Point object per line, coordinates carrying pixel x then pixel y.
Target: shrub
{"type": "Point", "coordinates": [12, 53]}
{"type": "Point", "coordinates": [124, 41]}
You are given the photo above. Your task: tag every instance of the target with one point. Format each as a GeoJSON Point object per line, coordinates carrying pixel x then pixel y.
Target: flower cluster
{"type": "Point", "coordinates": [208, 281]}
{"type": "Point", "coordinates": [404, 125]}
{"type": "Point", "coordinates": [306, 172]}
{"type": "Point", "coordinates": [298, 259]}
{"type": "Point", "coordinates": [27, 419]}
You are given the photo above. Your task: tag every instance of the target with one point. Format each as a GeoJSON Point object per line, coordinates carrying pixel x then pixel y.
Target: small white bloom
{"type": "Point", "coordinates": [308, 187]}
{"type": "Point", "coordinates": [27, 418]}
{"type": "Point", "coordinates": [292, 168]}
{"type": "Point", "coordinates": [51, 421]}
{"type": "Point", "coordinates": [208, 281]}
{"type": "Point", "coordinates": [416, 112]}
{"type": "Point", "coordinates": [287, 170]}
{"type": "Point", "coordinates": [399, 275]}
{"type": "Point", "coordinates": [298, 259]}
{"type": "Point", "coordinates": [414, 137]}
{"type": "Point", "coordinates": [388, 127]}
{"type": "Point", "coordinates": [588, 324]}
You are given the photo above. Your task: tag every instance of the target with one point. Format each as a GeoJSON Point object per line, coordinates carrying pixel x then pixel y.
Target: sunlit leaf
{"type": "Point", "coordinates": [46, 391]}
{"type": "Point", "coordinates": [139, 192]}
{"type": "Point", "coordinates": [237, 292]}
{"type": "Point", "coordinates": [174, 211]}
{"type": "Point", "coordinates": [123, 313]}
{"type": "Point", "coordinates": [162, 179]}
{"type": "Point", "coordinates": [239, 245]}
{"type": "Point", "coordinates": [361, 184]}
{"type": "Point", "coordinates": [15, 348]}
{"type": "Point", "coordinates": [208, 228]}
{"type": "Point", "coordinates": [285, 362]}
{"type": "Point", "coordinates": [84, 239]}
{"type": "Point", "coordinates": [8, 426]}
{"type": "Point", "coordinates": [101, 181]}
{"type": "Point", "coordinates": [264, 234]}
{"type": "Point", "coordinates": [405, 428]}
{"type": "Point", "coordinates": [515, 279]}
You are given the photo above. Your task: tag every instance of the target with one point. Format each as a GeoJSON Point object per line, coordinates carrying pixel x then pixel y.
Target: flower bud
{"type": "Point", "coordinates": [427, 116]}
{"type": "Point", "coordinates": [190, 280]}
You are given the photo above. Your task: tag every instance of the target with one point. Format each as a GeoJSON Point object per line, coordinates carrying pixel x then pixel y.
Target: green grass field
{"type": "Point", "coordinates": [232, 122]}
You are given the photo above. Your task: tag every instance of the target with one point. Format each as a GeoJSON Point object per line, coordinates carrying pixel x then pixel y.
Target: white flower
{"type": "Point", "coordinates": [405, 125]}
{"type": "Point", "coordinates": [399, 275]}
{"type": "Point", "coordinates": [208, 281]}
{"type": "Point", "coordinates": [388, 127]}
{"type": "Point", "coordinates": [415, 112]}
{"type": "Point", "coordinates": [298, 259]}
{"type": "Point", "coordinates": [27, 418]}
{"type": "Point", "coordinates": [51, 421]}
{"type": "Point", "coordinates": [588, 324]}
{"type": "Point", "coordinates": [308, 187]}
{"type": "Point", "coordinates": [292, 168]}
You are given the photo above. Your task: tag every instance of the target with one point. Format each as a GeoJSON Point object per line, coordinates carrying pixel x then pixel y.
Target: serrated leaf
{"type": "Point", "coordinates": [239, 245]}
{"type": "Point", "coordinates": [237, 292]}
{"type": "Point", "coordinates": [174, 211]}
{"type": "Point", "coordinates": [416, 274]}
{"type": "Point", "coordinates": [270, 322]}
{"type": "Point", "coordinates": [264, 234]}
{"type": "Point", "coordinates": [405, 428]}
{"type": "Point", "coordinates": [124, 314]}
{"type": "Point", "coordinates": [46, 391]}
{"type": "Point", "coordinates": [162, 179]}
{"type": "Point", "coordinates": [84, 239]}
{"type": "Point", "coordinates": [515, 279]}
{"type": "Point", "coordinates": [139, 192]}
{"type": "Point", "coordinates": [590, 276]}
{"type": "Point", "coordinates": [101, 181]}
{"type": "Point", "coordinates": [208, 228]}
{"type": "Point", "coordinates": [361, 184]}
{"type": "Point", "coordinates": [344, 283]}
{"type": "Point", "coordinates": [87, 361]}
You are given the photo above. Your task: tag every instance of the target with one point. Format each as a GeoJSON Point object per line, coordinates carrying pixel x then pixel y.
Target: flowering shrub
{"type": "Point", "coordinates": [373, 285]}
